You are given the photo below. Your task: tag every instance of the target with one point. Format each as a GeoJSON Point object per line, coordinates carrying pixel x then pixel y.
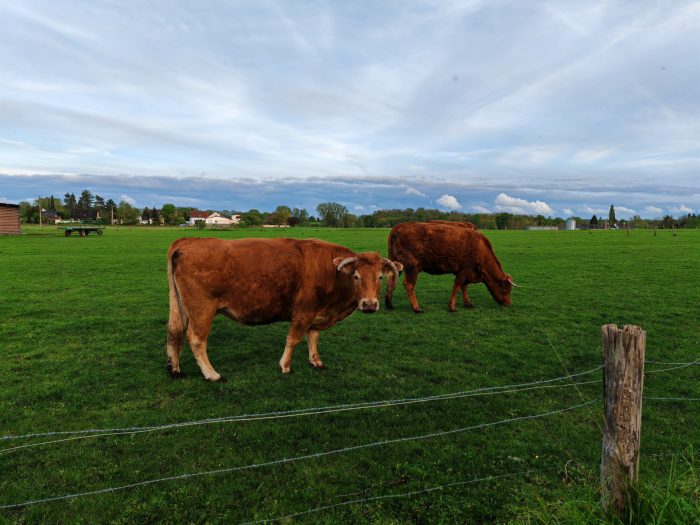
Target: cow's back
{"type": "Point", "coordinates": [435, 247]}
{"type": "Point", "coordinates": [254, 281]}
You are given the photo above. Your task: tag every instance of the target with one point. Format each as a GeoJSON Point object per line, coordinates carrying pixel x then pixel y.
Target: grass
{"type": "Point", "coordinates": [82, 345]}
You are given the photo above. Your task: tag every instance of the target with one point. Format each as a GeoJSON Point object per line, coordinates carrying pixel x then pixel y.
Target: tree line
{"type": "Point", "coordinates": [330, 214]}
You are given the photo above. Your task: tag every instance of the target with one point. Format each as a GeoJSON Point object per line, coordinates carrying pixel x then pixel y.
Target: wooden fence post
{"type": "Point", "coordinates": [623, 382]}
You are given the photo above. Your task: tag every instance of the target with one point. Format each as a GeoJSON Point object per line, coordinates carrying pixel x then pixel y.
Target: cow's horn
{"type": "Point", "coordinates": [393, 267]}
{"type": "Point", "coordinates": [349, 260]}
{"type": "Point", "coordinates": [516, 285]}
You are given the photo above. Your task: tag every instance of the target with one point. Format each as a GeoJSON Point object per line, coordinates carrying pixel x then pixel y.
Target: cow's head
{"type": "Point", "coordinates": [500, 290]}
{"type": "Point", "coordinates": [366, 270]}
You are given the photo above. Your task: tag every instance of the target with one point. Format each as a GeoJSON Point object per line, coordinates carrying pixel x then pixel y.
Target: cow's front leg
{"type": "Point", "coordinates": [296, 332]}
{"type": "Point", "coordinates": [465, 297]}
{"type": "Point", "coordinates": [312, 340]}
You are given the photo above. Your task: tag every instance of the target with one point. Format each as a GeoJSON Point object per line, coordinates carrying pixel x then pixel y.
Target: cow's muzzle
{"type": "Point", "coordinates": [369, 306]}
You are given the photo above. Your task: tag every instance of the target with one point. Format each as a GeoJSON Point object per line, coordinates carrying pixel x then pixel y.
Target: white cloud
{"type": "Point", "coordinates": [568, 211]}
{"type": "Point", "coordinates": [594, 211]}
{"type": "Point", "coordinates": [653, 210]}
{"type": "Point", "coordinates": [680, 210]}
{"type": "Point", "coordinates": [413, 191]}
{"type": "Point", "coordinates": [622, 210]}
{"type": "Point", "coordinates": [449, 202]}
{"type": "Point", "coordinates": [515, 205]}
{"type": "Point", "coordinates": [128, 199]}
{"type": "Point", "coordinates": [592, 155]}
{"type": "Point", "coordinates": [359, 207]}
{"type": "Point", "coordinates": [480, 209]}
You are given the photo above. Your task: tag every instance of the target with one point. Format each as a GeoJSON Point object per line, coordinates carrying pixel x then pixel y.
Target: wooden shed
{"type": "Point", "coordinates": [9, 218]}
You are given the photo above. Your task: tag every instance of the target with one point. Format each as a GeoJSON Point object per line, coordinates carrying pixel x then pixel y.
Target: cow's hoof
{"type": "Point", "coordinates": [452, 309]}
{"type": "Point", "coordinates": [388, 305]}
{"type": "Point", "coordinates": [318, 365]}
{"type": "Point", "coordinates": [174, 374]}
{"type": "Point", "coordinates": [219, 379]}
{"type": "Point", "coordinates": [286, 370]}
{"type": "Point", "coordinates": [418, 311]}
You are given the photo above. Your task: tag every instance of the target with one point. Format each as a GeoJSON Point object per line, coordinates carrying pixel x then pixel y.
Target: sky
{"type": "Point", "coordinates": [541, 107]}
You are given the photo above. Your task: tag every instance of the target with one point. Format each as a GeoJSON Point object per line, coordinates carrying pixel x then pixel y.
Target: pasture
{"type": "Point", "coordinates": [82, 346]}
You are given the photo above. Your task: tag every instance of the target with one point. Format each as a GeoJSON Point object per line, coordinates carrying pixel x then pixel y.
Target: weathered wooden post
{"type": "Point", "coordinates": [623, 382]}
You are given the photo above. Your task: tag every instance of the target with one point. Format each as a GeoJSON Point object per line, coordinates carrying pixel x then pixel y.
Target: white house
{"type": "Point", "coordinates": [213, 219]}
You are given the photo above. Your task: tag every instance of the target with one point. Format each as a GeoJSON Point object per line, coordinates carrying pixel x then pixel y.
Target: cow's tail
{"type": "Point", "coordinates": [178, 320]}
{"type": "Point", "coordinates": [391, 279]}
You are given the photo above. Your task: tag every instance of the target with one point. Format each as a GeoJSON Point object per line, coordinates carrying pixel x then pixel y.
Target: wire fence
{"type": "Point", "coordinates": [315, 411]}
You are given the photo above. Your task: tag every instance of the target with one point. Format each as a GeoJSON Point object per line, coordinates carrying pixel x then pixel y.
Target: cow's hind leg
{"type": "Point", "coordinates": [197, 333]}
{"type": "Point", "coordinates": [452, 305]}
{"type": "Point", "coordinates": [409, 282]}
{"type": "Point", "coordinates": [296, 331]}
{"type": "Point", "coordinates": [314, 358]}
{"type": "Point", "coordinates": [175, 340]}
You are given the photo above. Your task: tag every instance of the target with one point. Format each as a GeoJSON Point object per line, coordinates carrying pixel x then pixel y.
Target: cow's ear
{"type": "Point", "coordinates": [345, 264]}
{"type": "Point", "coordinates": [398, 265]}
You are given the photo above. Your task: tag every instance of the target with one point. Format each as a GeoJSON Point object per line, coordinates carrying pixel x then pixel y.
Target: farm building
{"type": "Point", "coordinates": [570, 224]}
{"type": "Point", "coordinates": [213, 218]}
{"type": "Point", "coordinates": [9, 218]}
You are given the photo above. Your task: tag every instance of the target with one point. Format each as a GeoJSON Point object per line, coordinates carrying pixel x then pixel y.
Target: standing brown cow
{"type": "Point", "coordinates": [439, 247]}
{"type": "Point", "coordinates": [314, 284]}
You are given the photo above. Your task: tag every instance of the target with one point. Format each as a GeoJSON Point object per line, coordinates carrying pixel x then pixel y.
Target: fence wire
{"type": "Point", "coordinates": [372, 499]}
{"type": "Point", "coordinates": [294, 459]}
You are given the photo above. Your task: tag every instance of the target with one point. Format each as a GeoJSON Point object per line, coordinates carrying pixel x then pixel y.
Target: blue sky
{"type": "Point", "coordinates": [545, 107]}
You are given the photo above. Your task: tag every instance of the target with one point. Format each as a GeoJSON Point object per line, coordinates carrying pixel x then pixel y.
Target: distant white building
{"type": "Point", "coordinates": [541, 228]}
{"type": "Point", "coordinates": [570, 224]}
{"type": "Point", "coordinates": [213, 219]}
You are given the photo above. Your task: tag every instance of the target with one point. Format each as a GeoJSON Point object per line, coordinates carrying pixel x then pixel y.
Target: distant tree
{"type": "Point", "coordinates": [126, 213]}
{"type": "Point", "coordinates": [252, 218]}
{"type": "Point", "coordinates": [155, 216]}
{"type": "Point", "coordinates": [611, 216]}
{"type": "Point", "coordinates": [502, 220]}
{"type": "Point", "coordinates": [169, 213]}
{"type": "Point", "coordinates": [86, 200]}
{"type": "Point", "coordinates": [70, 203]}
{"type": "Point", "coordinates": [200, 225]}
{"type": "Point", "coordinates": [146, 214]}
{"type": "Point", "coordinates": [300, 216]}
{"type": "Point", "coordinates": [279, 216]}
{"type": "Point", "coordinates": [594, 221]}
{"type": "Point", "coordinates": [349, 220]}
{"type": "Point", "coordinates": [99, 203]}
{"type": "Point", "coordinates": [332, 213]}
{"type": "Point", "coordinates": [667, 221]}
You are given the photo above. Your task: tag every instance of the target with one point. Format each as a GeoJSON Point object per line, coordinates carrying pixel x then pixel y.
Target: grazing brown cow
{"type": "Point", "coordinates": [439, 247]}
{"type": "Point", "coordinates": [314, 284]}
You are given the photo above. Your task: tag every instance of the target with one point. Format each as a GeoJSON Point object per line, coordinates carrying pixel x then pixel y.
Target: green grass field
{"type": "Point", "coordinates": [82, 346]}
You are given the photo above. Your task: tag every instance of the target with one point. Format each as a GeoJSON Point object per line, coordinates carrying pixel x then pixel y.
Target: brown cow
{"type": "Point", "coordinates": [314, 284]}
{"type": "Point", "coordinates": [439, 247]}
{"type": "Point", "coordinates": [465, 224]}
